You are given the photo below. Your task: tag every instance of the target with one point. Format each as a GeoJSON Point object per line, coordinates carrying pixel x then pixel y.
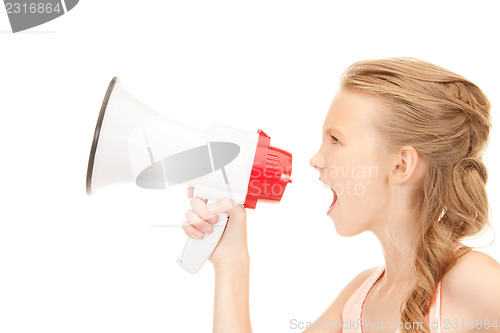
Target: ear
{"type": "Point", "coordinates": [404, 167]}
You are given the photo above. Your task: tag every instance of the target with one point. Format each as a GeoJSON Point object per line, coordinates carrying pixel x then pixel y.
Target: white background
{"type": "Point", "coordinates": [73, 263]}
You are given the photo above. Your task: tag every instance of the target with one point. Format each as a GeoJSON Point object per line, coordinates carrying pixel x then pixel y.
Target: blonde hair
{"type": "Point", "coordinates": [446, 118]}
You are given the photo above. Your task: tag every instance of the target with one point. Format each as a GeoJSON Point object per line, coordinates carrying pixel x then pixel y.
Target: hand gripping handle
{"type": "Point", "coordinates": [197, 251]}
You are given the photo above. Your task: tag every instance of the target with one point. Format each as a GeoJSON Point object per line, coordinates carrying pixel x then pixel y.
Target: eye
{"type": "Point", "coordinates": [334, 139]}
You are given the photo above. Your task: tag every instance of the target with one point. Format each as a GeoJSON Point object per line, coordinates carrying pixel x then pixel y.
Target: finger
{"type": "Point", "coordinates": [200, 207]}
{"type": "Point", "coordinates": [197, 222]}
{"type": "Point", "coordinates": [226, 205]}
{"type": "Point", "coordinates": [190, 192]}
{"type": "Point", "coordinates": [191, 231]}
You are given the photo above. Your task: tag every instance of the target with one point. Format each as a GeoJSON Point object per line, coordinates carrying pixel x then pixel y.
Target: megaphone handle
{"type": "Point", "coordinates": [197, 251]}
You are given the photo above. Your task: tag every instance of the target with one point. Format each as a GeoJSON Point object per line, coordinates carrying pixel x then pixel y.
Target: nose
{"type": "Point", "coordinates": [317, 161]}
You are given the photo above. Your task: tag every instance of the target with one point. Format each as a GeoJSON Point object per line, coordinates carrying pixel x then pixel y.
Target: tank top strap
{"type": "Point", "coordinates": [434, 315]}
{"type": "Point", "coordinates": [351, 314]}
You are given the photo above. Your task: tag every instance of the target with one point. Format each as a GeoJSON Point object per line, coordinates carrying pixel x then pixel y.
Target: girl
{"type": "Point", "coordinates": [418, 131]}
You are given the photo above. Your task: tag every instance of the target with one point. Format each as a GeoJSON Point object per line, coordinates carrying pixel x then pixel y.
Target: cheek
{"type": "Point", "coordinates": [359, 210]}
{"type": "Point", "coordinates": [357, 177]}
{"type": "Point", "coordinates": [362, 192]}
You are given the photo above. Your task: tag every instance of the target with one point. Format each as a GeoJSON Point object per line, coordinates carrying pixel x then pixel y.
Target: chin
{"type": "Point", "coordinates": [347, 226]}
{"type": "Point", "coordinates": [345, 229]}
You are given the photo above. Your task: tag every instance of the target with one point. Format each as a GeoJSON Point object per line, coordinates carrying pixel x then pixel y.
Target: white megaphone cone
{"type": "Point", "coordinates": [134, 144]}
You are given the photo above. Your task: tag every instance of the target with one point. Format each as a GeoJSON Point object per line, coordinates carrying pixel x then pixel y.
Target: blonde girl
{"type": "Point", "coordinates": [423, 129]}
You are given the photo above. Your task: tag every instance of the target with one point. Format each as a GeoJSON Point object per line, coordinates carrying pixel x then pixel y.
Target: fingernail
{"type": "Point", "coordinates": [207, 229]}
{"type": "Point", "coordinates": [213, 219]}
{"type": "Point", "coordinates": [198, 235]}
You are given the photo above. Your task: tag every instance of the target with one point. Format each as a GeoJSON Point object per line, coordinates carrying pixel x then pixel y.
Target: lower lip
{"type": "Point", "coordinates": [333, 203]}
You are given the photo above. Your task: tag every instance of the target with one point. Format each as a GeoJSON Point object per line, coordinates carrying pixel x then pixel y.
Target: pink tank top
{"type": "Point", "coordinates": [351, 315]}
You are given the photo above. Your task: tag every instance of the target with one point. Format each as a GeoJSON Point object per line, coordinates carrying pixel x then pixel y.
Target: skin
{"type": "Point", "coordinates": [355, 163]}
{"type": "Point", "coordinates": [383, 181]}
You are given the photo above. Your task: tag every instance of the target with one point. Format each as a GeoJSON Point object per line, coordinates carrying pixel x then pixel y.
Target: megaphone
{"type": "Point", "coordinates": [134, 144]}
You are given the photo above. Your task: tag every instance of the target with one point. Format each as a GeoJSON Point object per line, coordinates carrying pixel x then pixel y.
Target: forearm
{"type": "Point", "coordinates": [231, 303]}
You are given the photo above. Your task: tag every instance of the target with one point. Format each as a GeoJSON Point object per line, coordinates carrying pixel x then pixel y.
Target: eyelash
{"type": "Point", "coordinates": [334, 139]}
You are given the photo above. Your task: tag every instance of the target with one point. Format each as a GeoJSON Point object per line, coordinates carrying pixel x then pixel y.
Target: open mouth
{"type": "Point", "coordinates": [334, 198]}
{"type": "Point", "coordinates": [333, 202]}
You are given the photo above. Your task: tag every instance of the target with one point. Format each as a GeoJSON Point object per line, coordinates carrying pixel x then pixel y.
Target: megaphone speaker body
{"type": "Point", "coordinates": [134, 144]}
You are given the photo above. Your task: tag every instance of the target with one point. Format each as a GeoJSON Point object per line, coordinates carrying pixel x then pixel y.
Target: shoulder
{"type": "Point", "coordinates": [470, 289]}
{"type": "Point", "coordinates": [474, 273]}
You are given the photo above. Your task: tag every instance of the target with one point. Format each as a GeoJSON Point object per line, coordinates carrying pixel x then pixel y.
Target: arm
{"type": "Point", "coordinates": [230, 259]}
{"type": "Point", "coordinates": [231, 302]}
{"type": "Point", "coordinates": [231, 265]}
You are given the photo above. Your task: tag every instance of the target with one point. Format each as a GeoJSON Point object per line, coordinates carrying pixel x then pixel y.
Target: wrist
{"type": "Point", "coordinates": [237, 264]}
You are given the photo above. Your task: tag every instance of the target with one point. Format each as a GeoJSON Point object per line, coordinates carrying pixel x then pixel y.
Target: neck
{"type": "Point", "coordinates": [398, 245]}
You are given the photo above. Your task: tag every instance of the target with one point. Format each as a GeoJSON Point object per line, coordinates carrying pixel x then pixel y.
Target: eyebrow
{"type": "Point", "coordinates": [333, 129]}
